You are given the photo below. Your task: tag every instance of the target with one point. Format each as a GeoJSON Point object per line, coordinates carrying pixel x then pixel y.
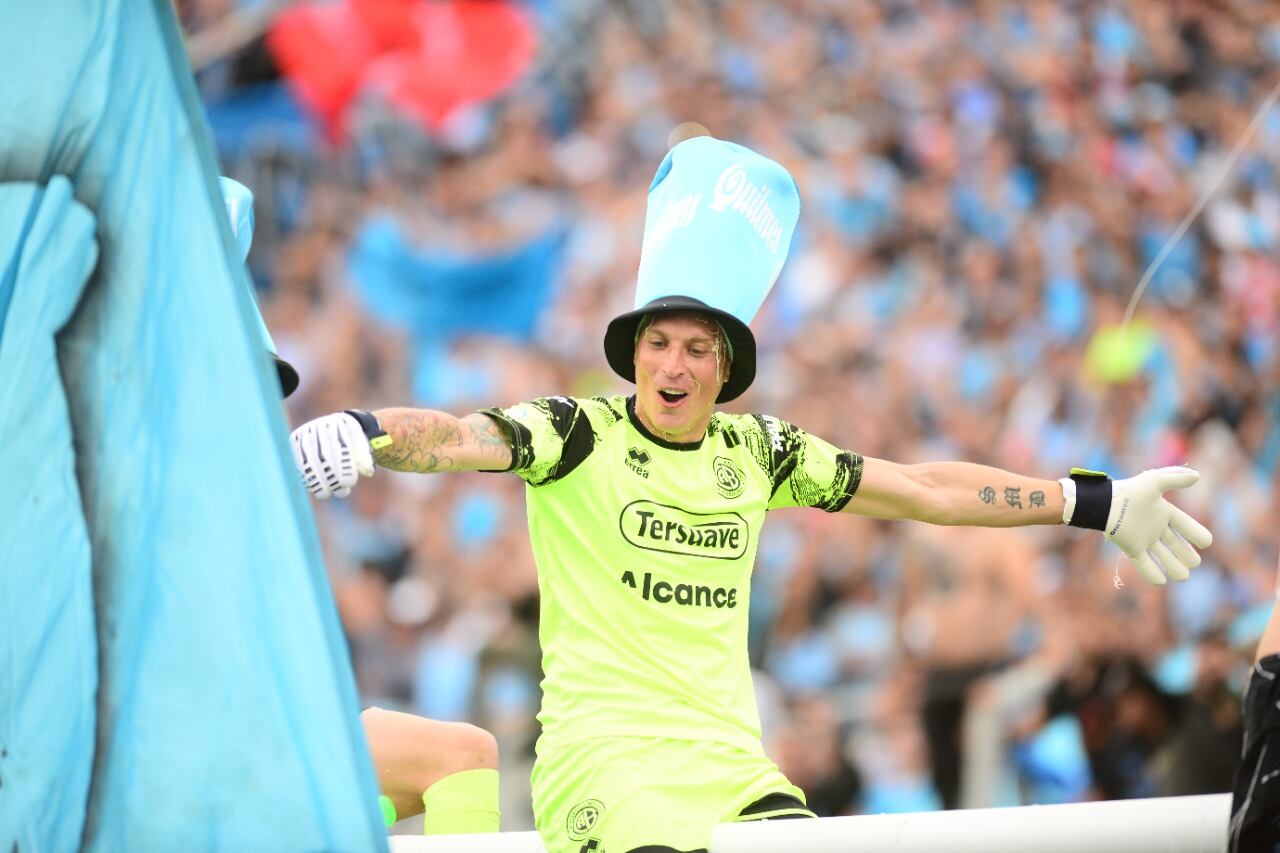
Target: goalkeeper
{"type": "Point", "coordinates": [645, 513]}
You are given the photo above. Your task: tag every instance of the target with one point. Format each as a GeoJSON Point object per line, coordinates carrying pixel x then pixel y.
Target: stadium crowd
{"type": "Point", "coordinates": [983, 184]}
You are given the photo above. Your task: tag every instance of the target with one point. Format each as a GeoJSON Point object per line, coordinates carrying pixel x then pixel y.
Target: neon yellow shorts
{"type": "Point", "coordinates": [611, 795]}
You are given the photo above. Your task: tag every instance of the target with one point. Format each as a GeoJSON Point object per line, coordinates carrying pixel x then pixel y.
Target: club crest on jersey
{"type": "Point", "coordinates": [672, 530]}
{"type": "Point", "coordinates": [582, 818]}
{"type": "Point", "coordinates": [728, 477]}
{"type": "Point", "coordinates": [637, 459]}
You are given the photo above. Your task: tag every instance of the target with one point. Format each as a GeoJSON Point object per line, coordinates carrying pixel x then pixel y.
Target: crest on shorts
{"type": "Point", "coordinates": [583, 818]}
{"type": "Point", "coordinates": [728, 477]}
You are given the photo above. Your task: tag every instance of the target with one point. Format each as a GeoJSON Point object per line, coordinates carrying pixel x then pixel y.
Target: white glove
{"type": "Point", "coordinates": [1155, 535]}
{"type": "Point", "coordinates": [331, 453]}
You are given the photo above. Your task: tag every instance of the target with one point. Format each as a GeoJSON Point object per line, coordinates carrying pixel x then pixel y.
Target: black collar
{"type": "Point", "coordinates": [661, 442]}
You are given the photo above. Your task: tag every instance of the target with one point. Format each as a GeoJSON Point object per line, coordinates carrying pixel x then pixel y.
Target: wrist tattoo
{"type": "Point", "coordinates": [1012, 497]}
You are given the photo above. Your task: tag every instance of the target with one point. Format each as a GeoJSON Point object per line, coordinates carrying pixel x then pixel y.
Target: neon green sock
{"type": "Point", "coordinates": [388, 810]}
{"type": "Point", "coordinates": [461, 803]}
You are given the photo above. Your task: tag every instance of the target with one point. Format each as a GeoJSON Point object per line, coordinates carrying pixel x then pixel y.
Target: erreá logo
{"type": "Point", "coordinates": [672, 530]}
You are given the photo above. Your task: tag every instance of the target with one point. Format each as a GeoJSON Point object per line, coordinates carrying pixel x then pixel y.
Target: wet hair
{"type": "Point", "coordinates": [722, 337]}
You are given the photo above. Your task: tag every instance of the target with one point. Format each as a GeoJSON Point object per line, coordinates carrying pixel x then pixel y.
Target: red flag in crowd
{"type": "Point", "coordinates": [427, 57]}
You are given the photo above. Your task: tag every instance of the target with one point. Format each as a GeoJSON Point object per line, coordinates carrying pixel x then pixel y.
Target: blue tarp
{"type": "Point", "coordinates": [48, 649]}
{"type": "Point", "coordinates": [226, 710]}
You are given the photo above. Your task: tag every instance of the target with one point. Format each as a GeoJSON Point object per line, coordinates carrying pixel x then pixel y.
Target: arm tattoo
{"type": "Point", "coordinates": [490, 437]}
{"type": "Point", "coordinates": [1037, 498]}
{"type": "Point", "coordinates": [1013, 496]}
{"type": "Point", "coordinates": [988, 495]}
{"type": "Point", "coordinates": [421, 441]}
{"type": "Point", "coordinates": [425, 441]}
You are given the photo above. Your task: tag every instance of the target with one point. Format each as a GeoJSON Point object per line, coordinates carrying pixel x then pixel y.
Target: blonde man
{"type": "Point", "coordinates": [645, 513]}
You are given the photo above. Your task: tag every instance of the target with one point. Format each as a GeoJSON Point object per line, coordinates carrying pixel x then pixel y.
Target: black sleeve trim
{"type": "Point", "coordinates": [785, 451]}
{"type": "Point", "coordinates": [771, 804]}
{"type": "Point", "coordinates": [783, 455]}
{"type": "Point", "coordinates": [521, 440]}
{"type": "Point", "coordinates": [574, 428]}
{"type": "Point", "coordinates": [848, 469]}
{"type": "Point", "coordinates": [571, 425]}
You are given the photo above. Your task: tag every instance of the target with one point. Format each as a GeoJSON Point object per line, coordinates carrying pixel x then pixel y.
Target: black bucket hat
{"type": "Point", "coordinates": [620, 341]}
{"type": "Point", "coordinates": [718, 226]}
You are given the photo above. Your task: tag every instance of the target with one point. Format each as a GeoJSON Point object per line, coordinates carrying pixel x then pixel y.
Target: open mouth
{"type": "Point", "coordinates": [672, 397]}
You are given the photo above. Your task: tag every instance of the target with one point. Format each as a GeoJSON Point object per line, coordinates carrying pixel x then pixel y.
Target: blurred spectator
{"type": "Point", "coordinates": [984, 184]}
{"type": "Point", "coordinates": [811, 753]}
{"type": "Point", "coordinates": [968, 610]}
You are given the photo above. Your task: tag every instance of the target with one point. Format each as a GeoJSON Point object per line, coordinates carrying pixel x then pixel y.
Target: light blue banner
{"type": "Point", "coordinates": [436, 295]}
{"type": "Point", "coordinates": [48, 647]}
{"type": "Point", "coordinates": [226, 712]}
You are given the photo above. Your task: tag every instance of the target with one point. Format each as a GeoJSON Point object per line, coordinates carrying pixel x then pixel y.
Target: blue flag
{"type": "Point", "coordinates": [434, 294]}
{"type": "Point", "coordinates": [225, 710]}
{"type": "Point", "coordinates": [50, 676]}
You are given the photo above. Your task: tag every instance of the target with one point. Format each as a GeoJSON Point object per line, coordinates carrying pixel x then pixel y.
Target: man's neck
{"type": "Point", "coordinates": [693, 436]}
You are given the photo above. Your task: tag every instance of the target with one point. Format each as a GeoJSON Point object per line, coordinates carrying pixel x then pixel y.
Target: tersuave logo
{"type": "Point", "coordinates": [671, 530]}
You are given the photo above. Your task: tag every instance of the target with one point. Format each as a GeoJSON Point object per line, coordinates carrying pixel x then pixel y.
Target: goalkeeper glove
{"type": "Point", "coordinates": [1157, 537]}
{"type": "Point", "coordinates": [334, 451]}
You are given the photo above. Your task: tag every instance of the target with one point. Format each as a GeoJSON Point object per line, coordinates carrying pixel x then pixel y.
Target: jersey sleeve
{"type": "Point", "coordinates": [806, 470]}
{"type": "Point", "coordinates": [550, 437]}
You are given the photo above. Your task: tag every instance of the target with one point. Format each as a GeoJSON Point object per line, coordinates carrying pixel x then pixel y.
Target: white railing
{"type": "Point", "coordinates": [1168, 825]}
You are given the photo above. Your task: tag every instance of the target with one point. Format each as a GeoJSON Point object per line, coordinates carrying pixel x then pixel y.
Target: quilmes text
{"type": "Point", "coordinates": [733, 191]}
{"type": "Point", "coordinates": [672, 530]}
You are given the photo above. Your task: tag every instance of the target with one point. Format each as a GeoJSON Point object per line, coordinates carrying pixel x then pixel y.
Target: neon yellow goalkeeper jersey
{"type": "Point", "coordinates": [644, 551]}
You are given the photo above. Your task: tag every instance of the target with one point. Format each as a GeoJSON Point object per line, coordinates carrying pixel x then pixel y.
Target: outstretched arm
{"type": "Point", "coordinates": [955, 493]}
{"type": "Point", "coordinates": [426, 441]}
{"type": "Point", "coordinates": [334, 451]}
{"type": "Point", "coordinates": [1158, 537]}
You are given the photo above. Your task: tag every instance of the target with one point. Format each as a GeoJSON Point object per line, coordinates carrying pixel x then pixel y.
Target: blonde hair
{"type": "Point", "coordinates": [722, 337]}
